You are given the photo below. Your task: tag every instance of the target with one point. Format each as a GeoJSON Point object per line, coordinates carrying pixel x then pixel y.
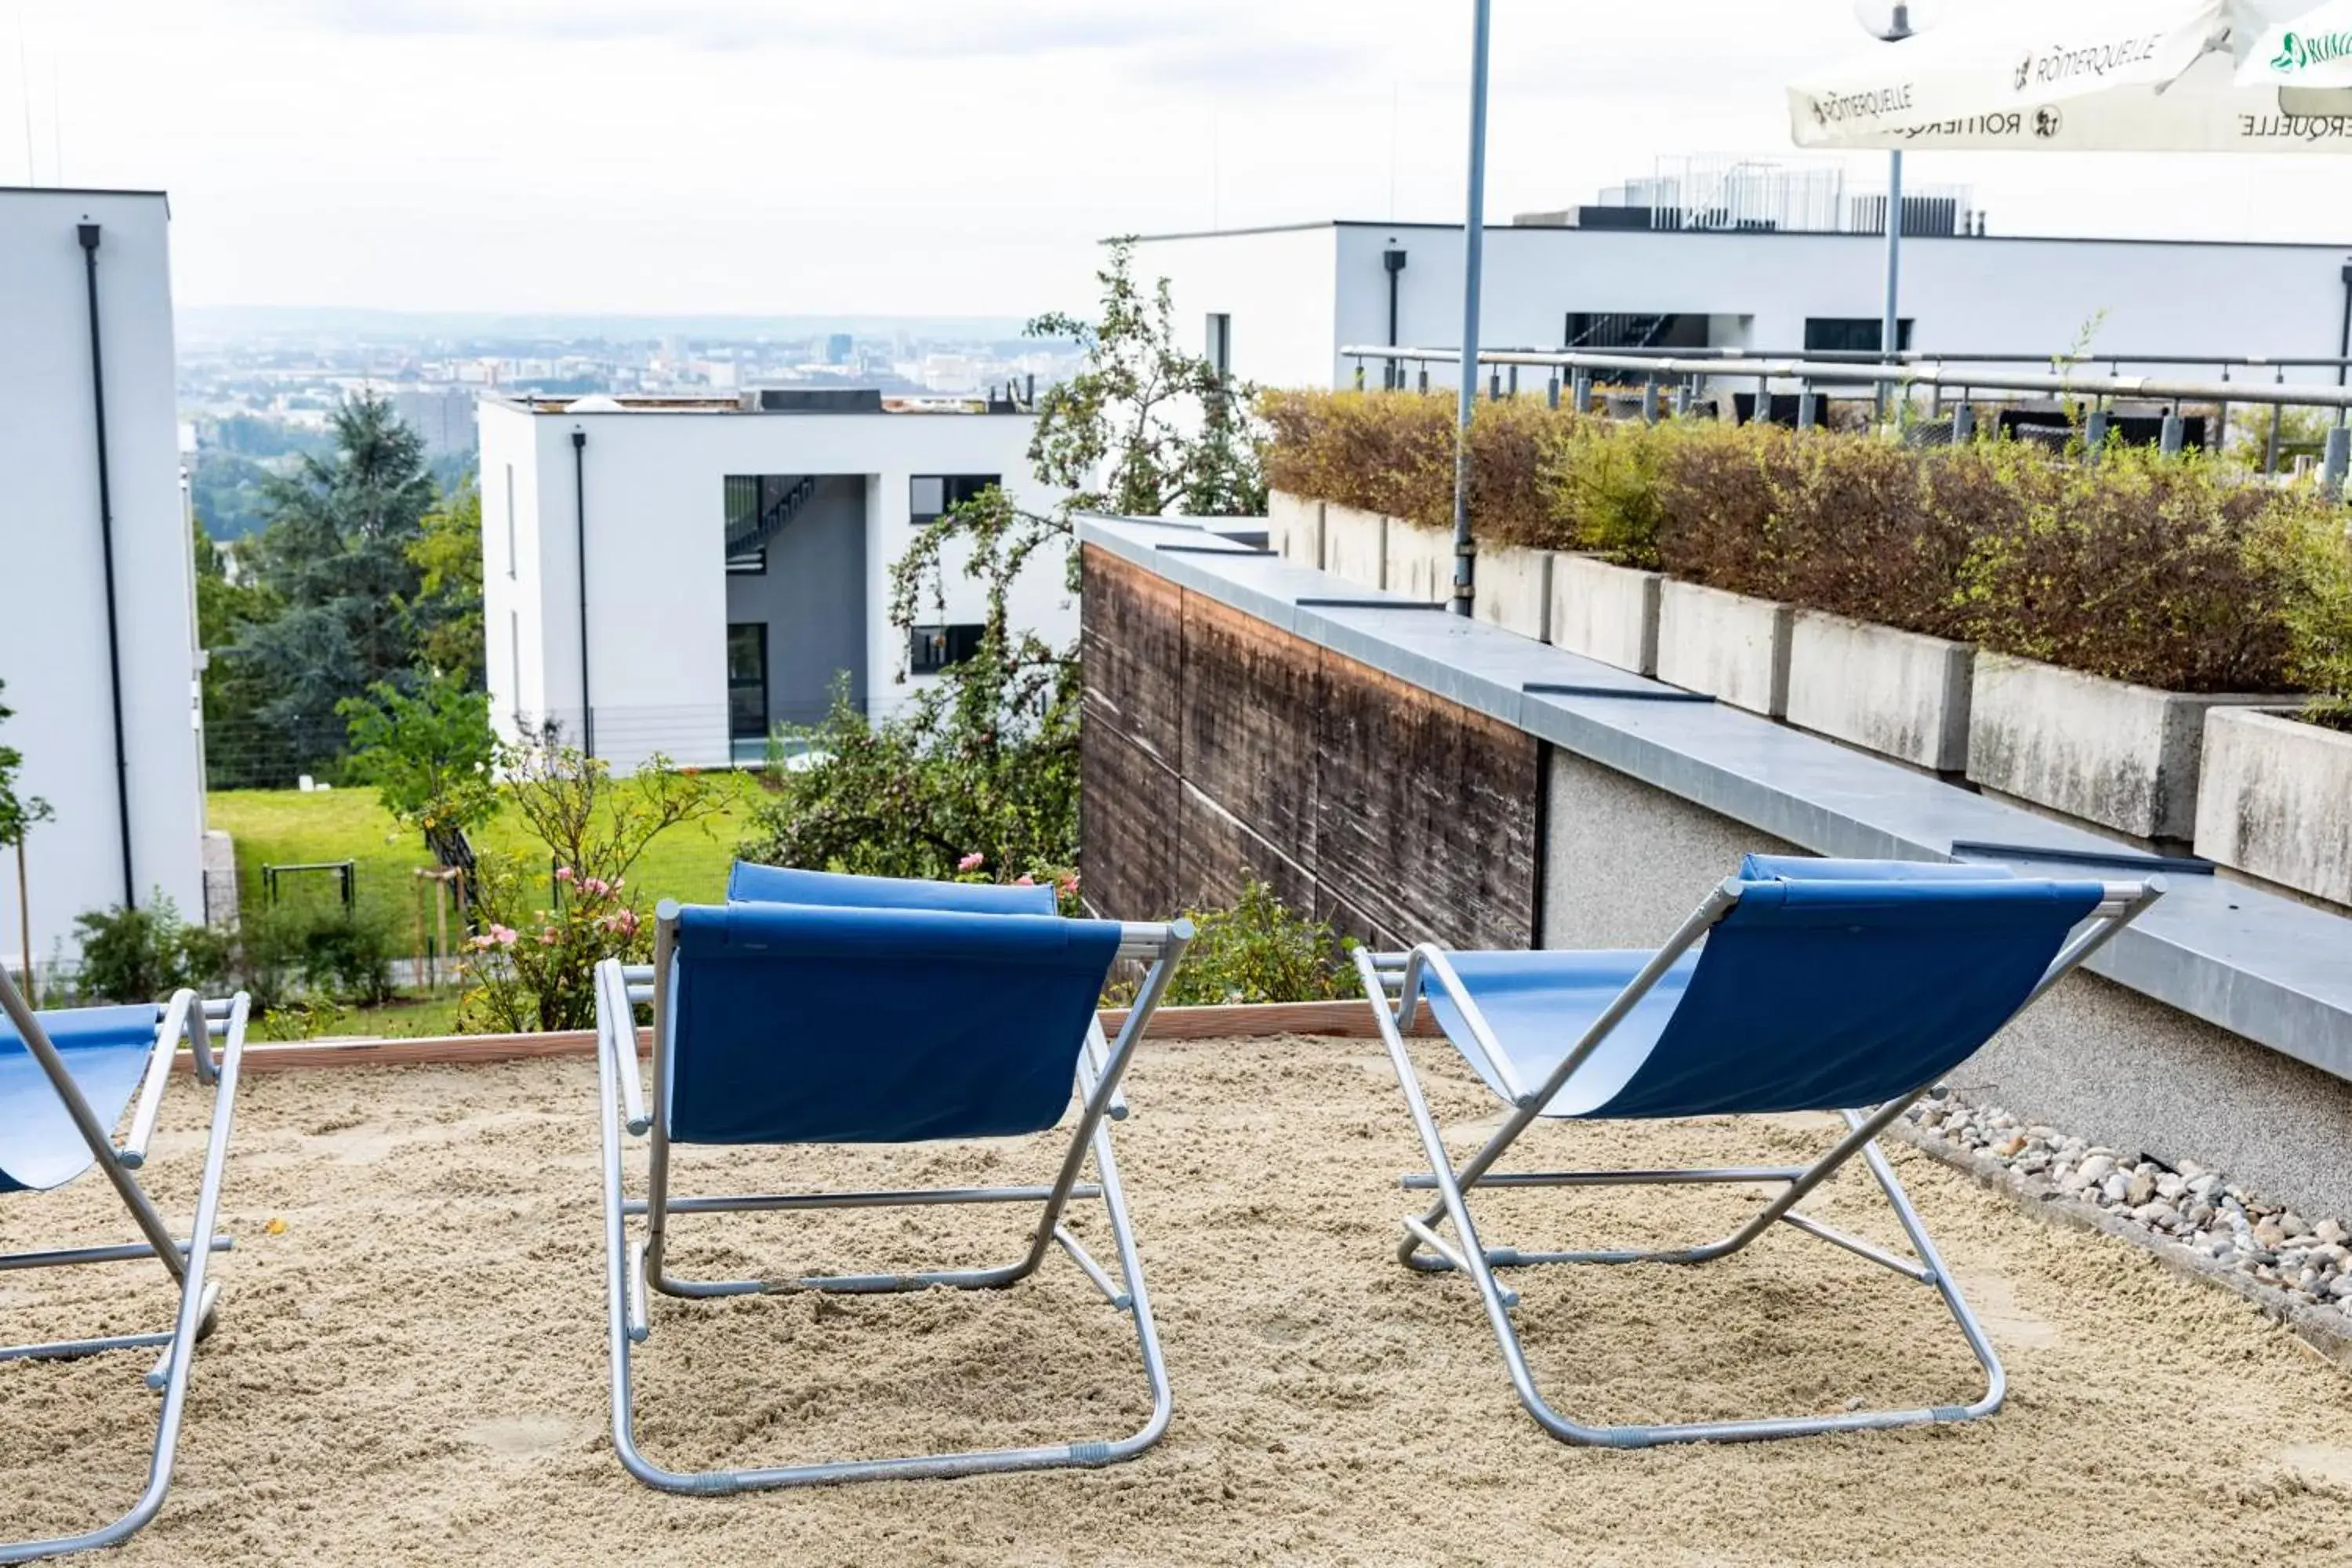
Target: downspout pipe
{"type": "Point", "coordinates": [579, 530]}
{"type": "Point", "coordinates": [1393, 259]}
{"type": "Point", "coordinates": [2342, 338]}
{"type": "Point", "coordinates": [88, 233]}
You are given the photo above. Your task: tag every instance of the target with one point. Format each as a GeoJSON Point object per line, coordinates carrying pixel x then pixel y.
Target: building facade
{"type": "Point", "coordinates": [737, 554]}
{"type": "Point", "coordinates": [97, 597]}
{"type": "Point", "coordinates": [1278, 304]}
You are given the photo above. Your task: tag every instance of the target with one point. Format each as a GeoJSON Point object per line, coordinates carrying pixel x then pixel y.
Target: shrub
{"type": "Point", "coordinates": [1258, 951]}
{"type": "Point", "coordinates": [131, 955]}
{"type": "Point", "coordinates": [294, 957]}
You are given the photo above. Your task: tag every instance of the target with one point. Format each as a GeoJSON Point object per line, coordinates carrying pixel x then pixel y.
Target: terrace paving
{"type": "Point", "coordinates": [413, 1368]}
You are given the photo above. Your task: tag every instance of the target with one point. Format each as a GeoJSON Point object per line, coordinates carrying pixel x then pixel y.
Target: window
{"type": "Point", "coordinates": [1634, 329]}
{"type": "Point", "coordinates": [746, 681]}
{"type": "Point", "coordinates": [931, 649]}
{"type": "Point", "coordinates": [510, 521]}
{"type": "Point", "coordinates": [1220, 347]}
{"type": "Point", "coordinates": [1851, 334]}
{"type": "Point", "coordinates": [935, 495]}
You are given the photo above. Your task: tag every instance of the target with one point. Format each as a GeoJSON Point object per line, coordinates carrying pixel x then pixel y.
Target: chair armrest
{"type": "Point", "coordinates": [182, 1014]}
{"type": "Point", "coordinates": [616, 1021]}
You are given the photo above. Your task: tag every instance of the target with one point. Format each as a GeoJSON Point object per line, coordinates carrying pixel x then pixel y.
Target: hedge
{"type": "Point", "coordinates": [2177, 571]}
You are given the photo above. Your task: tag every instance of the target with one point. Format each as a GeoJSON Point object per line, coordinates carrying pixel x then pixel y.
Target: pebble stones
{"type": "Point", "coordinates": [2189, 1206]}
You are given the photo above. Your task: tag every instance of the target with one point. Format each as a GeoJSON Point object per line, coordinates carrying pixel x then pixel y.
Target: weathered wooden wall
{"type": "Point", "coordinates": [1217, 747]}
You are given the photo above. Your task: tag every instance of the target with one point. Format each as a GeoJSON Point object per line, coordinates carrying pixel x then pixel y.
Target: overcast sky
{"type": "Point", "coordinates": [922, 156]}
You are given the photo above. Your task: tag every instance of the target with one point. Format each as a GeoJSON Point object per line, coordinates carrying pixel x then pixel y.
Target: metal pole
{"type": "Point", "coordinates": [1889, 337]}
{"type": "Point", "coordinates": [88, 234]}
{"type": "Point", "coordinates": [2343, 341]}
{"type": "Point", "coordinates": [1473, 261]}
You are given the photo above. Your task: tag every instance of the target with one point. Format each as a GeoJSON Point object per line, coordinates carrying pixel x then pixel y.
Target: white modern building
{"type": "Point", "coordinates": [1279, 303]}
{"type": "Point", "coordinates": [737, 554]}
{"type": "Point", "coordinates": [97, 611]}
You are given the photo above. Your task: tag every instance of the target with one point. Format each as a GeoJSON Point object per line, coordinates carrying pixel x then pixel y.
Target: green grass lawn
{"type": "Point", "coordinates": [290, 828]}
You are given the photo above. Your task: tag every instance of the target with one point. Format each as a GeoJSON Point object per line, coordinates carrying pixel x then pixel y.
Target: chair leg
{"type": "Point", "coordinates": [626, 1325]}
{"type": "Point", "coordinates": [1479, 1262]}
{"type": "Point", "coordinates": [199, 1299]}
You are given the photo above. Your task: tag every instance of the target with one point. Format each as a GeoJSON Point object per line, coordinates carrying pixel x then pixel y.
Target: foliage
{"type": "Point", "coordinates": [429, 756]}
{"type": "Point", "coordinates": [335, 559]}
{"type": "Point", "coordinates": [2300, 430]}
{"type": "Point", "coordinates": [2177, 571]}
{"type": "Point", "coordinates": [532, 967]}
{"type": "Point", "coordinates": [447, 555]}
{"type": "Point", "coordinates": [1258, 951]}
{"type": "Point", "coordinates": [310, 958]}
{"type": "Point", "coordinates": [984, 762]}
{"type": "Point", "coordinates": [143, 954]}
{"type": "Point", "coordinates": [18, 812]}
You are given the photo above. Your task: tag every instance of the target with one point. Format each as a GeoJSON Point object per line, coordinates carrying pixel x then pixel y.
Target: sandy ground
{"type": "Point", "coordinates": [413, 1370]}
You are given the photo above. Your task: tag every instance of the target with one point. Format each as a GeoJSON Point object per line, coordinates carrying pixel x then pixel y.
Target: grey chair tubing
{"type": "Point", "coordinates": [176, 1022]}
{"type": "Point", "coordinates": [66, 1257]}
{"type": "Point", "coordinates": [634, 1269]}
{"type": "Point", "coordinates": [2121, 903]}
{"type": "Point", "coordinates": [197, 1296]}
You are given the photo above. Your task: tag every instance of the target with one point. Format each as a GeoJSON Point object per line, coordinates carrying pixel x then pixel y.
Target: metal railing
{"type": "Point", "coordinates": [1686, 372]}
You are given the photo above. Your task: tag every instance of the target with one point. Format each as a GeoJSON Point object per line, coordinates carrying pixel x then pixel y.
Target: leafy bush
{"type": "Point", "coordinates": [430, 755]}
{"type": "Point", "coordinates": [310, 958]}
{"type": "Point", "coordinates": [1258, 951]}
{"type": "Point", "coordinates": [143, 954]}
{"type": "Point", "coordinates": [2178, 572]}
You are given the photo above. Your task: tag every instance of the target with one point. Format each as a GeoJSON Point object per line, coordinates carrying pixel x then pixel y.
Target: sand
{"type": "Point", "coordinates": [412, 1369]}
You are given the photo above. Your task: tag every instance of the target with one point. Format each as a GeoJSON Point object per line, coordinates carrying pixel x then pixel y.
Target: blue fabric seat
{"type": "Point", "coordinates": [825, 1023]}
{"type": "Point", "coordinates": [1829, 985]}
{"type": "Point", "coordinates": [106, 1051]}
{"type": "Point", "coordinates": [820, 1008]}
{"type": "Point", "coordinates": [1797, 985]}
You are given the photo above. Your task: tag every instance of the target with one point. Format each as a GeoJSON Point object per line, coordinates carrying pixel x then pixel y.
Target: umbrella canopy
{"type": "Point", "coordinates": [2312, 50]}
{"type": "Point", "coordinates": [2158, 76]}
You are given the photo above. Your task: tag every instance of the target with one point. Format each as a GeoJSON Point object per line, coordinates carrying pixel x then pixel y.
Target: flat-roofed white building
{"type": "Point", "coordinates": [738, 553]}
{"type": "Point", "coordinates": [97, 611]}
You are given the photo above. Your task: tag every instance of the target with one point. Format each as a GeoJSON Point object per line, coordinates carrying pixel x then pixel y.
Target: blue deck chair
{"type": "Point", "coordinates": [65, 1079]}
{"type": "Point", "coordinates": [816, 1008]}
{"type": "Point", "coordinates": [1799, 985]}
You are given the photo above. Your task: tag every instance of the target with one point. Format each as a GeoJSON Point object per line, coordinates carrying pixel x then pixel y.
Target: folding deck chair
{"type": "Point", "coordinates": [1799, 985]}
{"type": "Point", "coordinates": [65, 1078]}
{"type": "Point", "coordinates": [817, 1008]}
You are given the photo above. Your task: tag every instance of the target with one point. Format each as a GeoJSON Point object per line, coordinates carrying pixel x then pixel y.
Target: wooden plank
{"type": "Point", "coordinates": [1130, 652]}
{"type": "Point", "coordinates": [1345, 1019]}
{"type": "Point", "coordinates": [1128, 816]}
{"type": "Point", "coordinates": [1251, 697]}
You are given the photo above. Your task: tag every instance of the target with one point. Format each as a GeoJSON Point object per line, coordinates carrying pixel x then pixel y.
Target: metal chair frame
{"type": "Point", "coordinates": [637, 1266]}
{"type": "Point", "coordinates": [197, 1020]}
{"type": "Point", "coordinates": [1394, 982]}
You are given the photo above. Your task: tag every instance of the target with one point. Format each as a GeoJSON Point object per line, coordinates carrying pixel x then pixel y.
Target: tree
{"type": "Point", "coordinates": [18, 812]}
{"type": "Point", "coordinates": [449, 614]}
{"type": "Point", "coordinates": [979, 773]}
{"type": "Point", "coordinates": [240, 751]}
{"type": "Point", "coordinates": [430, 756]}
{"type": "Point", "coordinates": [335, 556]}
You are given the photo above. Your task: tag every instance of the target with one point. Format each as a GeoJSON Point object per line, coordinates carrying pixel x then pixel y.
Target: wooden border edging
{"type": "Point", "coordinates": [1349, 1020]}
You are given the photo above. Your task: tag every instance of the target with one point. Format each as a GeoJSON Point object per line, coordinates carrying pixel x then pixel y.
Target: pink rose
{"type": "Point", "coordinates": [563, 873]}
{"type": "Point", "coordinates": [971, 862]}
{"type": "Point", "coordinates": [1025, 881]}
{"type": "Point", "coordinates": [505, 936]}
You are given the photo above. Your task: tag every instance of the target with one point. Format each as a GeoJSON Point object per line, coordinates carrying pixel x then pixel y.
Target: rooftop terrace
{"type": "Point", "coordinates": [412, 1365]}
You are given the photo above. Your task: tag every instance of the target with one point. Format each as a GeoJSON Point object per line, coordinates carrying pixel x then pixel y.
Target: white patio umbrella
{"type": "Point", "coordinates": [2310, 50]}
{"type": "Point", "coordinates": [2158, 76]}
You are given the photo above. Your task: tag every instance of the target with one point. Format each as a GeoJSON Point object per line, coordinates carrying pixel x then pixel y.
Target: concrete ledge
{"type": "Point", "coordinates": [1895, 693]}
{"type": "Point", "coordinates": [1420, 562]}
{"type": "Point", "coordinates": [1355, 545]}
{"type": "Point", "coordinates": [2262, 965]}
{"type": "Point", "coordinates": [1727, 644]}
{"type": "Point", "coordinates": [1606, 612]}
{"type": "Point", "coordinates": [1294, 528]}
{"type": "Point", "coordinates": [2275, 800]}
{"type": "Point", "coordinates": [1513, 588]}
{"type": "Point", "coordinates": [2122, 756]}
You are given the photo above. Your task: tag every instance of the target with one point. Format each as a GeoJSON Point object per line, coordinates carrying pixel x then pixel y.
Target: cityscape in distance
{"type": "Point", "coordinates": [257, 387]}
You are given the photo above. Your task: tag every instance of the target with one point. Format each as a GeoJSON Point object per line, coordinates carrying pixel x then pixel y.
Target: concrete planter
{"type": "Point", "coordinates": [2275, 800]}
{"type": "Point", "coordinates": [1605, 612]}
{"type": "Point", "coordinates": [1898, 694]}
{"type": "Point", "coordinates": [2122, 756]}
{"type": "Point", "coordinates": [1420, 561]}
{"type": "Point", "coordinates": [1355, 544]}
{"type": "Point", "coordinates": [1733, 647]}
{"type": "Point", "coordinates": [1514, 588]}
{"type": "Point", "coordinates": [1294, 528]}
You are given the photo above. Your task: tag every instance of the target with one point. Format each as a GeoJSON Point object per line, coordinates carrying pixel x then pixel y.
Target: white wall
{"type": "Point", "coordinates": [53, 635]}
{"type": "Point", "coordinates": [656, 578]}
{"type": "Point", "coordinates": [1998, 295]}
{"type": "Point", "coordinates": [1276, 284]}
